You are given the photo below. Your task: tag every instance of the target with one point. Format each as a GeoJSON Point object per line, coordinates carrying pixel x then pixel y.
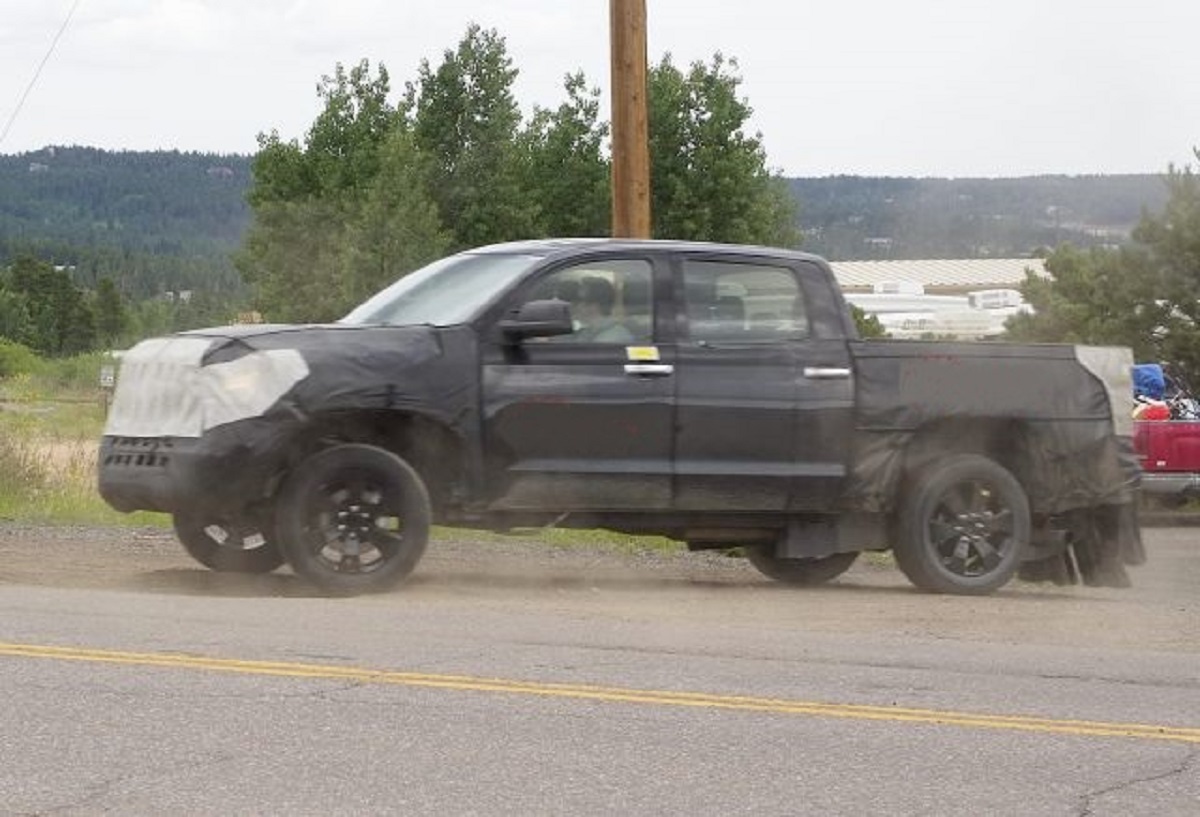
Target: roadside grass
{"type": "Point", "coordinates": [51, 418]}
{"type": "Point", "coordinates": [48, 466]}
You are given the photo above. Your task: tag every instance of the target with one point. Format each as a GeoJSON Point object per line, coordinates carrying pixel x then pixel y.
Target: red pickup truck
{"type": "Point", "coordinates": [1169, 452]}
{"type": "Point", "coordinates": [1168, 449]}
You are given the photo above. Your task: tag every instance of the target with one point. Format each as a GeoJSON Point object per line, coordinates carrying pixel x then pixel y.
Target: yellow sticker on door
{"type": "Point", "coordinates": [642, 354]}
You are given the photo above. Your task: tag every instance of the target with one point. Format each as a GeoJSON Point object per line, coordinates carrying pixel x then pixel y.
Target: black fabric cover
{"type": "Point", "coordinates": [428, 370]}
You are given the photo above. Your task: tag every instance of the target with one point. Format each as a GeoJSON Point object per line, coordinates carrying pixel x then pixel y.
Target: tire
{"type": "Point", "coordinates": [353, 519]}
{"type": "Point", "coordinates": [227, 544]}
{"type": "Point", "coordinates": [963, 527]}
{"type": "Point", "coordinates": [799, 572]}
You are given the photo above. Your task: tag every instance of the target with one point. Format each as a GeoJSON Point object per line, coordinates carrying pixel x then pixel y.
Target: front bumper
{"type": "Point", "coordinates": [230, 468]}
{"type": "Point", "coordinates": [147, 473]}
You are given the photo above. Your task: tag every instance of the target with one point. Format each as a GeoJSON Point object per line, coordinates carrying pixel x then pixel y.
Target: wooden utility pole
{"type": "Point", "coordinates": [631, 133]}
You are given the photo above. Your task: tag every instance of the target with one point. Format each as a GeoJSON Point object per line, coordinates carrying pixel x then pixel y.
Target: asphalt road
{"type": "Point", "coordinates": [511, 679]}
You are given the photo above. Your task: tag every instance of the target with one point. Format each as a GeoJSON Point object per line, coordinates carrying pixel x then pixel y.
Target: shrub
{"type": "Point", "coordinates": [16, 359]}
{"type": "Point", "coordinates": [80, 373]}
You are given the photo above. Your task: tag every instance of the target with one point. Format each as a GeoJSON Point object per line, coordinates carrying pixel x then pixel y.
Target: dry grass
{"type": "Point", "coordinates": [48, 464]}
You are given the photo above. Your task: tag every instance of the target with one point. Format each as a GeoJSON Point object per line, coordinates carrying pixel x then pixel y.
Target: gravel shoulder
{"type": "Point", "coordinates": [1160, 612]}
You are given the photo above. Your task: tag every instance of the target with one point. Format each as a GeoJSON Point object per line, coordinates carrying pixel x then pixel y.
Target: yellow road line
{"type": "Point", "coordinates": [777, 706]}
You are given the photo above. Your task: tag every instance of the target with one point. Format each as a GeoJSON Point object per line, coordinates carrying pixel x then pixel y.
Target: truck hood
{"type": "Point", "coordinates": [185, 384]}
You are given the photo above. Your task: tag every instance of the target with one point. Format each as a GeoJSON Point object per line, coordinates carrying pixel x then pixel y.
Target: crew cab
{"type": "Point", "coordinates": [715, 394]}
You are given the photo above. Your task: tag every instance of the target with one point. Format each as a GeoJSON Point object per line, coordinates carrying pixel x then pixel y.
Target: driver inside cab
{"type": "Point", "coordinates": [593, 311]}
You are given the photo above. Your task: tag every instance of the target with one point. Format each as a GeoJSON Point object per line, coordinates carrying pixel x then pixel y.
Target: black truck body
{"type": "Point", "coordinates": [723, 399]}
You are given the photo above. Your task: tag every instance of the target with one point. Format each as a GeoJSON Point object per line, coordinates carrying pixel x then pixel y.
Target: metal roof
{"type": "Point", "coordinates": [966, 273]}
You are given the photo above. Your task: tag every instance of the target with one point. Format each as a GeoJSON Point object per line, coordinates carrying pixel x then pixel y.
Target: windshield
{"type": "Point", "coordinates": [444, 293]}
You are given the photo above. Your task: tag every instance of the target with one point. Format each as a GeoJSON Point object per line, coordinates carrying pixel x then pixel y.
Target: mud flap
{"type": "Point", "coordinates": [1102, 541]}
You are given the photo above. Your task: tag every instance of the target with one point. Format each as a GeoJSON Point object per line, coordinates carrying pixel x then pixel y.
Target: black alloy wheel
{"type": "Point", "coordinates": [804, 572]}
{"type": "Point", "coordinates": [963, 527]}
{"type": "Point", "coordinates": [354, 519]}
{"type": "Point", "coordinates": [227, 543]}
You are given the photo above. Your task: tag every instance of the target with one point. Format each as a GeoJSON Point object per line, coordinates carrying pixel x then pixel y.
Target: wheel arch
{"type": "Point", "coordinates": [435, 450]}
{"type": "Point", "coordinates": [1006, 441]}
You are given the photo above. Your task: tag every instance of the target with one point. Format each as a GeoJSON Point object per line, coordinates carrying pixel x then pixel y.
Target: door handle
{"type": "Point", "coordinates": [826, 372]}
{"type": "Point", "coordinates": [649, 369]}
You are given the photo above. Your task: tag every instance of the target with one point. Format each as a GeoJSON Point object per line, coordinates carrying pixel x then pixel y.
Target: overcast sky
{"type": "Point", "coordinates": [865, 87]}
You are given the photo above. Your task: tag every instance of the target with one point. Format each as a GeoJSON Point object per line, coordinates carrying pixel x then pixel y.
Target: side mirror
{"type": "Point", "coordinates": [539, 319]}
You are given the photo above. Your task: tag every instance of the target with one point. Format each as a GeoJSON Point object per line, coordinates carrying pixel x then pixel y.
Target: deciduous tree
{"type": "Point", "coordinates": [396, 228]}
{"type": "Point", "coordinates": [709, 178]}
{"type": "Point", "coordinates": [464, 117]}
{"type": "Point", "coordinates": [375, 190]}
{"type": "Point", "coordinates": [565, 166]}
{"type": "Point", "coordinates": [342, 214]}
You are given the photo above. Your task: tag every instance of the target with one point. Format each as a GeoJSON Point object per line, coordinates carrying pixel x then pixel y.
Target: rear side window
{"type": "Point", "coordinates": [727, 301]}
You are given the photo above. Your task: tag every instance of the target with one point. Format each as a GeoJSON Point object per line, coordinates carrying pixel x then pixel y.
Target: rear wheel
{"type": "Point", "coordinates": [227, 543]}
{"type": "Point", "coordinates": [800, 572]}
{"type": "Point", "coordinates": [963, 527]}
{"type": "Point", "coordinates": [353, 519]}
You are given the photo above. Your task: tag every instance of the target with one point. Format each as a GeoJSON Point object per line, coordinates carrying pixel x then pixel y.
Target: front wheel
{"type": "Point", "coordinates": [227, 543]}
{"type": "Point", "coordinates": [963, 527]}
{"type": "Point", "coordinates": [800, 572]}
{"type": "Point", "coordinates": [353, 519]}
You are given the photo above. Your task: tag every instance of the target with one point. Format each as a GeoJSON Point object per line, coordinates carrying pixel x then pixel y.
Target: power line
{"type": "Point", "coordinates": [33, 81]}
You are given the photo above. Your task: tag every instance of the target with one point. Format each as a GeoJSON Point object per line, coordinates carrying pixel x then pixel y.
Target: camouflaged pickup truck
{"type": "Point", "coordinates": [715, 394]}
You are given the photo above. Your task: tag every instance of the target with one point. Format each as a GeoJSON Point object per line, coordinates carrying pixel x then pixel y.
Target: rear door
{"type": "Point", "coordinates": [762, 399]}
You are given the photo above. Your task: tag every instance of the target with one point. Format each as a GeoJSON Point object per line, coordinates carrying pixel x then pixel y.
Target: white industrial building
{"type": "Point", "coordinates": [964, 298]}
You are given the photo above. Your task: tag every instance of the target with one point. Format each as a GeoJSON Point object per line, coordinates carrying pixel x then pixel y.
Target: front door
{"type": "Point", "coordinates": [582, 421]}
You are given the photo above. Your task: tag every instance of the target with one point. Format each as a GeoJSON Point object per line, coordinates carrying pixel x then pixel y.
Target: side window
{"type": "Point", "coordinates": [610, 301]}
{"type": "Point", "coordinates": [745, 302]}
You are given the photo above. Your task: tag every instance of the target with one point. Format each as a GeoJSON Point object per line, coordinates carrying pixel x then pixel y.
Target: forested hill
{"type": "Point", "coordinates": [153, 221]}
{"type": "Point", "coordinates": [161, 201]}
{"type": "Point", "coordinates": [853, 218]}
{"type": "Point", "coordinates": [169, 220]}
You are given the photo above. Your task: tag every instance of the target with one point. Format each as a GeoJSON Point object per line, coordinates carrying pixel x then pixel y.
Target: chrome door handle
{"type": "Point", "coordinates": [649, 369]}
{"type": "Point", "coordinates": [826, 372]}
